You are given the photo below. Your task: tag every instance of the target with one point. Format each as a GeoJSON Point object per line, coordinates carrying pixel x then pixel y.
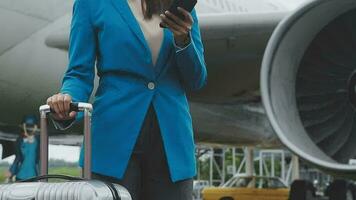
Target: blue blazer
{"type": "Point", "coordinates": [107, 32]}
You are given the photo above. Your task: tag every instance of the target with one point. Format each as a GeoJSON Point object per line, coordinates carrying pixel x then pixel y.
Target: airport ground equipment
{"type": "Point", "coordinates": [74, 188]}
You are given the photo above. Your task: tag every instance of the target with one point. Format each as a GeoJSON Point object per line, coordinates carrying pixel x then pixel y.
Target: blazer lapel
{"type": "Point", "coordinates": [124, 9]}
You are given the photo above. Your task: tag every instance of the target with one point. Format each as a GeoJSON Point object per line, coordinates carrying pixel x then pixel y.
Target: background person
{"type": "Point", "coordinates": [27, 148]}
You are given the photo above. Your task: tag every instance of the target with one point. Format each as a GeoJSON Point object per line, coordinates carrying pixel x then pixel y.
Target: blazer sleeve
{"type": "Point", "coordinates": [79, 77]}
{"type": "Point", "coordinates": [190, 59]}
{"type": "Point", "coordinates": [78, 80]}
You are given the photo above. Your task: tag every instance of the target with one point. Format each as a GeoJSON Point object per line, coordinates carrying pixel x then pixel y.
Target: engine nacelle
{"type": "Point", "coordinates": [308, 83]}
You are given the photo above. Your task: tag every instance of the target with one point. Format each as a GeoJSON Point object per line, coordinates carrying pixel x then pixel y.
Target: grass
{"type": "Point", "coordinates": [71, 171]}
{"type": "Point", "coordinates": [2, 174]}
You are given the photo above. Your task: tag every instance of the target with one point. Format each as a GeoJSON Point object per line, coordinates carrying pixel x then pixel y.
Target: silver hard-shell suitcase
{"type": "Point", "coordinates": [74, 188]}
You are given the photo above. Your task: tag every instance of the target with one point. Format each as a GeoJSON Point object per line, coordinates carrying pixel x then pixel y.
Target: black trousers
{"type": "Point", "coordinates": [147, 176]}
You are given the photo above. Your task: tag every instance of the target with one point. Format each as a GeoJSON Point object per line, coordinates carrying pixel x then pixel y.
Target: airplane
{"type": "Point", "coordinates": [276, 77]}
{"type": "Point", "coordinates": [33, 57]}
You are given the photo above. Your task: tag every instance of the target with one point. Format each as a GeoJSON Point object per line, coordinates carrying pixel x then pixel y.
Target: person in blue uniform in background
{"type": "Point", "coordinates": [26, 162]}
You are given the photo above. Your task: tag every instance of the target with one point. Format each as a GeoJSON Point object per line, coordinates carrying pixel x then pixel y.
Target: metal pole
{"type": "Point", "coordinates": [272, 165]}
{"type": "Point", "coordinates": [43, 144]}
{"type": "Point", "coordinates": [283, 167]}
{"type": "Point", "coordinates": [87, 144]}
{"type": "Point", "coordinates": [211, 166]}
{"type": "Point", "coordinates": [249, 165]}
{"type": "Point", "coordinates": [249, 161]}
{"type": "Point", "coordinates": [241, 165]}
{"type": "Point", "coordinates": [261, 164]}
{"type": "Point", "coordinates": [223, 167]}
{"type": "Point", "coordinates": [234, 160]}
{"type": "Point", "coordinates": [295, 168]}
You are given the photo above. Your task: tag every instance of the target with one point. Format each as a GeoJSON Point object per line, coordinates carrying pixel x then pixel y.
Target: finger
{"type": "Point", "coordinates": [186, 14]}
{"type": "Point", "coordinates": [175, 32]}
{"type": "Point", "coordinates": [49, 100]}
{"type": "Point", "coordinates": [55, 105]}
{"type": "Point", "coordinates": [173, 25]}
{"type": "Point", "coordinates": [67, 101]}
{"type": "Point", "coordinates": [176, 19]}
{"type": "Point", "coordinates": [50, 103]}
{"type": "Point", "coordinates": [72, 114]}
{"type": "Point", "coordinates": [61, 104]}
{"type": "Point", "coordinates": [164, 20]}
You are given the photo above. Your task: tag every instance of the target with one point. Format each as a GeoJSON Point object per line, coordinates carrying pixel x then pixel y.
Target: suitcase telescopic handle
{"type": "Point", "coordinates": [79, 107]}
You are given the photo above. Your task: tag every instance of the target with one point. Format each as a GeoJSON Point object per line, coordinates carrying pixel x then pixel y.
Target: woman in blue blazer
{"type": "Point", "coordinates": [131, 87]}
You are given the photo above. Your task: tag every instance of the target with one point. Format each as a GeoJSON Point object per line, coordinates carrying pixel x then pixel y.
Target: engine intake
{"type": "Point", "coordinates": [308, 83]}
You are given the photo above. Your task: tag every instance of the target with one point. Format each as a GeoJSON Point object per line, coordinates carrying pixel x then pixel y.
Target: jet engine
{"type": "Point", "coordinates": [308, 83]}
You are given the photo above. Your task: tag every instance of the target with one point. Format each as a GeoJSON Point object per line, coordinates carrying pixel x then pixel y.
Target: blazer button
{"type": "Point", "coordinates": [151, 85]}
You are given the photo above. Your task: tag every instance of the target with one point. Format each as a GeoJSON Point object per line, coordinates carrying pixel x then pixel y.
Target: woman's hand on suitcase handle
{"type": "Point", "coordinates": [60, 103]}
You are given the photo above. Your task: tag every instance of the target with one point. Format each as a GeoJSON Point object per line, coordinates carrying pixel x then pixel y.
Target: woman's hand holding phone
{"type": "Point", "coordinates": [60, 103]}
{"type": "Point", "coordinates": [179, 27]}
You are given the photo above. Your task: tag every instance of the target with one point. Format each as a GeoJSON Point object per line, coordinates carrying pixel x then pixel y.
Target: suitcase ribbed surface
{"type": "Point", "coordinates": [88, 190]}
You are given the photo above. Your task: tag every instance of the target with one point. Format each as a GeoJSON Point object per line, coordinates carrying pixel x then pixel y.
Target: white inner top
{"type": "Point", "coordinates": [150, 28]}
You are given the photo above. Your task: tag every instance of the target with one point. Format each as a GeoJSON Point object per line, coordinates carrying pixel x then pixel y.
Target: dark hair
{"type": "Point", "coordinates": [154, 7]}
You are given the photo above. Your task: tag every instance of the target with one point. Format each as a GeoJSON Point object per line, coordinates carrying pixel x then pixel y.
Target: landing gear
{"type": "Point", "coordinates": [341, 190]}
{"type": "Point", "coordinates": [302, 190]}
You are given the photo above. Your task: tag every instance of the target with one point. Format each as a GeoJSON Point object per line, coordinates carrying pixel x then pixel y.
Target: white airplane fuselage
{"type": "Point", "coordinates": [33, 59]}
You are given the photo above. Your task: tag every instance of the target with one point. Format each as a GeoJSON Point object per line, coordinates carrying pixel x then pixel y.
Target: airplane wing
{"type": "Point", "coordinates": [213, 26]}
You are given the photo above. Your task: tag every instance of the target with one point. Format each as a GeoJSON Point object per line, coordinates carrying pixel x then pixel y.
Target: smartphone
{"type": "Point", "coordinates": [186, 4]}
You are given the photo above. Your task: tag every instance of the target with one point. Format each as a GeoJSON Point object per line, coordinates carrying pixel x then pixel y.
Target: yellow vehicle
{"type": "Point", "coordinates": [249, 188]}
